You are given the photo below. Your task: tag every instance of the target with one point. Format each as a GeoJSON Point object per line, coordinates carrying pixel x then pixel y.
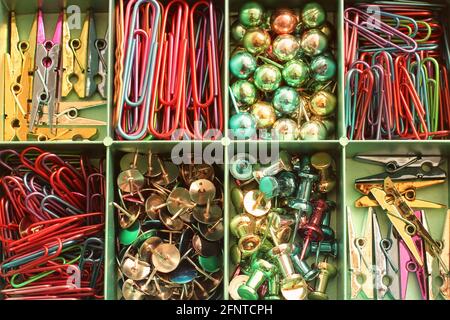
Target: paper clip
{"type": "Point", "coordinates": [134, 100]}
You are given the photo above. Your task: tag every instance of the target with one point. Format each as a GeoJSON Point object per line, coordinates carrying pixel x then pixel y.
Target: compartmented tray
{"type": "Point", "coordinates": [334, 11]}
{"type": "Point", "coordinates": [335, 289]}
{"type": "Point", "coordinates": [25, 12]}
{"type": "Point", "coordinates": [97, 155]}
{"type": "Point", "coordinates": [438, 193]}
{"type": "Point", "coordinates": [341, 149]}
{"type": "Point", "coordinates": [164, 149]}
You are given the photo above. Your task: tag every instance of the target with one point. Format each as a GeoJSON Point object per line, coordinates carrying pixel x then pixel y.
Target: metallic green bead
{"type": "Point", "coordinates": [313, 15]}
{"type": "Point", "coordinates": [286, 100]}
{"type": "Point", "coordinates": [267, 78]}
{"type": "Point", "coordinates": [256, 41]}
{"type": "Point", "coordinates": [295, 73]}
{"type": "Point", "coordinates": [314, 42]}
{"type": "Point", "coordinates": [238, 31]}
{"type": "Point", "coordinates": [251, 14]}
{"type": "Point", "coordinates": [313, 130]}
{"type": "Point", "coordinates": [242, 64]}
{"type": "Point", "coordinates": [285, 47]}
{"type": "Point", "coordinates": [285, 129]}
{"type": "Point", "coordinates": [323, 68]}
{"type": "Point", "coordinates": [264, 113]}
{"type": "Point", "coordinates": [323, 103]}
{"type": "Point", "coordinates": [244, 92]}
{"type": "Point", "coordinates": [243, 126]}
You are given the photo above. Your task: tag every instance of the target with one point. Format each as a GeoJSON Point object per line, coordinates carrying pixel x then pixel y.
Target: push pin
{"type": "Point", "coordinates": [328, 232]}
{"type": "Point", "coordinates": [126, 218]}
{"type": "Point", "coordinates": [303, 268]}
{"type": "Point", "coordinates": [173, 223]}
{"type": "Point", "coordinates": [326, 248]}
{"type": "Point", "coordinates": [312, 230]}
{"type": "Point", "coordinates": [135, 269]}
{"type": "Point", "coordinates": [282, 186]}
{"type": "Point", "coordinates": [130, 181]}
{"type": "Point", "coordinates": [293, 287]}
{"type": "Point", "coordinates": [214, 232]}
{"type": "Point", "coordinates": [261, 271]}
{"type": "Point", "coordinates": [280, 228]}
{"type": "Point", "coordinates": [235, 283]}
{"type": "Point", "coordinates": [202, 191]}
{"type": "Point", "coordinates": [148, 247]}
{"type": "Point", "coordinates": [249, 245]}
{"type": "Point", "coordinates": [282, 164]}
{"type": "Point", "coordinates": [241, 167]}
{"type": "Point", "coordinates": [255, 204]}
{"type": "Point", "coordinates": [237, 198]}
{"type": "Point", "coordinates": [273, 292]}
{"type": "Point", "coordinates": [242, 225]}
{"type": "Point", "coordinates": [131, 292]}
{"type": "Point", "coordinates": [192, 172]}
{"type": "Point", "coordinates": [153, 205]}
{"type": "Point", "coordinates": [179, 204]}
{"type": "Point", "coordinates": [323, 163]}
{"type": "Point", "coordinates": [204, 248]}
{"type": "Point", "coordinates": [133, 161]}
{"type": "Point", "coordinates": [207, 215]}
{"type": "Point", "coordinates": [166, 258]}
{"type": "Point", "coordinates": [307, 179]}
{"type": "Point", "coordinates": [327, 272]}
{"type": "Point", "coordinates": [169, 172]}
{"type": "Point", "coordinates": [153, 166]}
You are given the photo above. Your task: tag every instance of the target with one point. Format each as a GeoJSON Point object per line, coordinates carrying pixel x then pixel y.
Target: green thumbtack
{"type": "Point", "coordinates": [262, 271]}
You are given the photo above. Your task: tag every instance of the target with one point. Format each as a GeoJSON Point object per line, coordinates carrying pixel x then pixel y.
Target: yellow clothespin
{"type": "Point", "coordinates": [80, 50]}
{"type": "Point", "coordinates": [404, 220]}
{"type": "Point", "coordinates": [69, 113]}
{"type": "Point", "coordinates": [28, 49]}
{"type": "Point", "coordinates": [15, 53]}
{"type": "Point", "coordinates": [68, 134]}
{"type": "Point", "coordinates": [68, 58]}
{"type": "Point", "coordinates": [366, 201]}
{"type": "Point", "coordinates": [14, 115]}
